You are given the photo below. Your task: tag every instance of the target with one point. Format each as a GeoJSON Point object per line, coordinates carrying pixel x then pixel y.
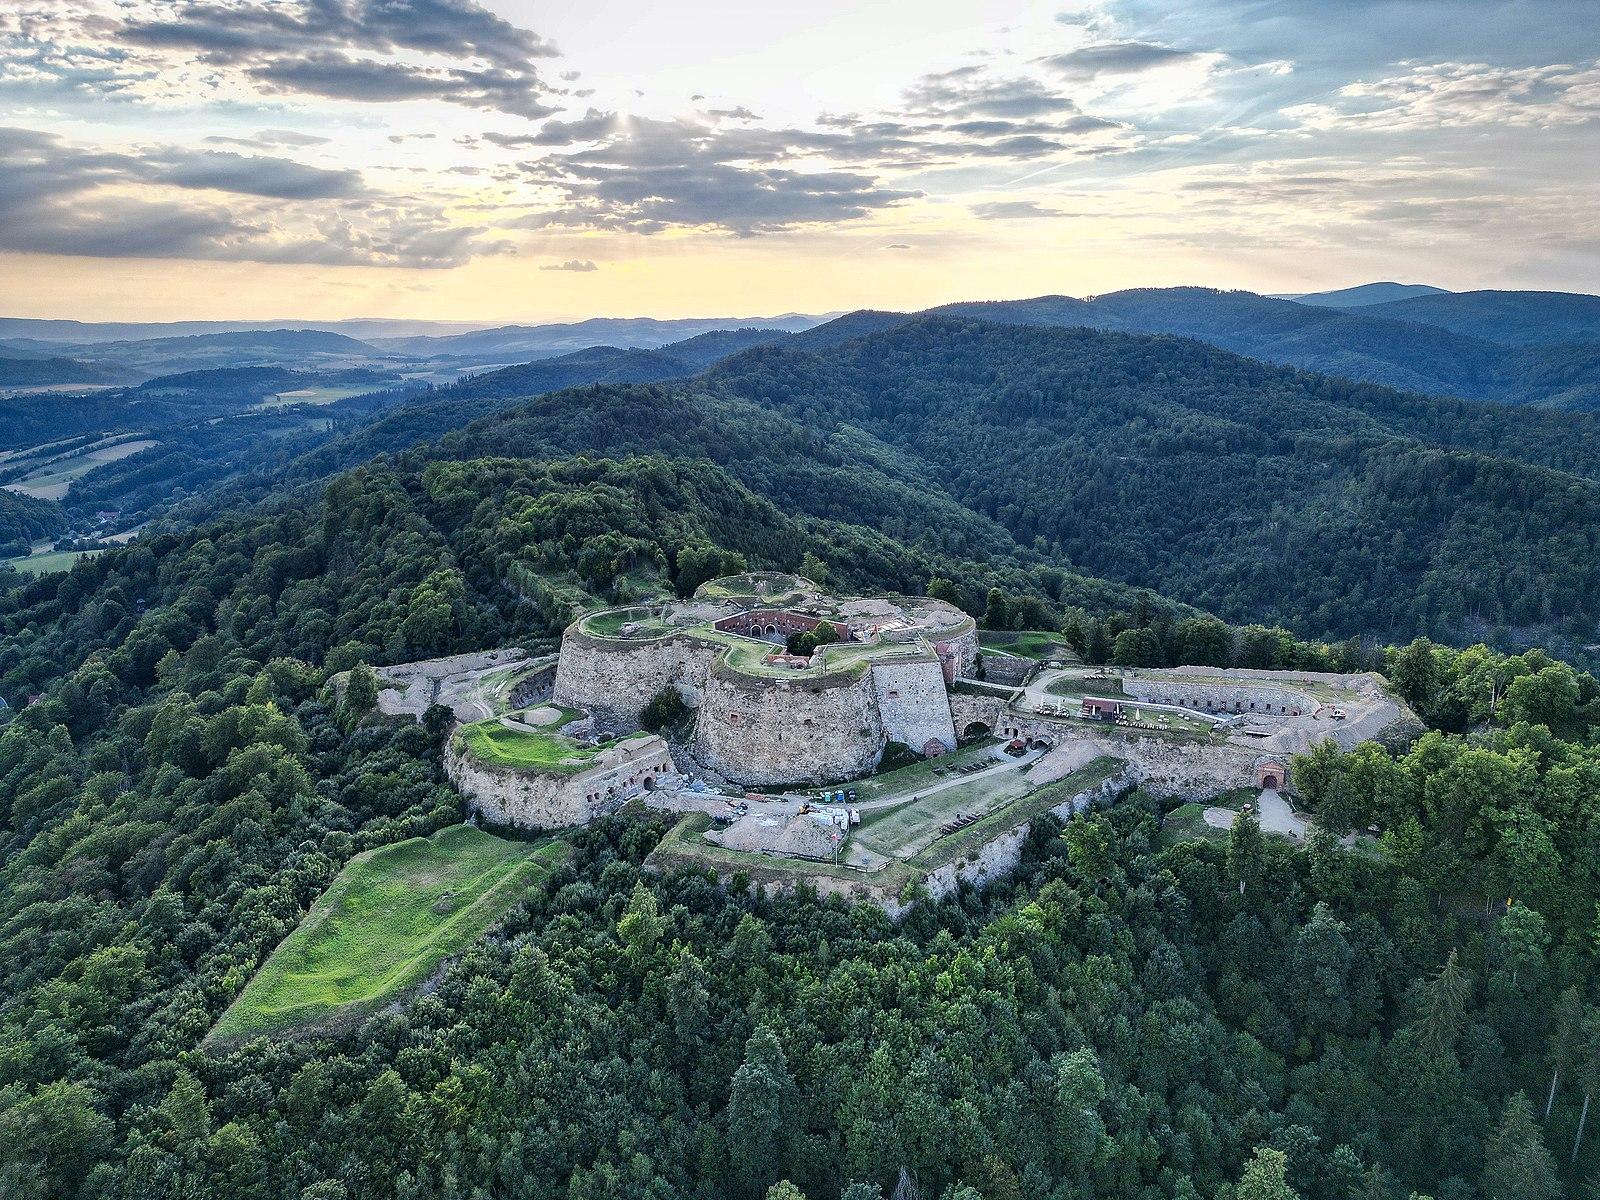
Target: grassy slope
{"type": "Point", "coordinates": [1031, 643]}
{"type": "Point", "coordinates": [491, 742]}
{"type": "Point", "coordinates": [389, 919]}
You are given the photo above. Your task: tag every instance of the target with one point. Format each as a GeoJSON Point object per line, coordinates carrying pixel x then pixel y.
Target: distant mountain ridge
{"type": "Point", "coordinates": [1366, 294]}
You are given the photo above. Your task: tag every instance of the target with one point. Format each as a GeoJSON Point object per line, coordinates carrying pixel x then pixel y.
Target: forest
{"type": "Point", "coordinates": [1129, 1015]}
{"type": "Point", "coordinates": [1133, 1014]}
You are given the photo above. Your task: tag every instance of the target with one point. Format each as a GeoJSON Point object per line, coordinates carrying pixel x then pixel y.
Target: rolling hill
{"type": "Point", "coordinates": [1510, 318]}
{"type": "Point", "coordinates": [1365, 294]}
{"type": "Point", "coordinates": [1253, 491]}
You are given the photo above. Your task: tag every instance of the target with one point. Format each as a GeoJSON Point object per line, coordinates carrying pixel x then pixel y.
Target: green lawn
{"type": "Point", "coordinates": [491, 742]}
{"type": "Point", "coordinates": [919, 774]}
{"type": "Point", "coordinates": [43, 564]}
{"type": "Point", "coordinates": [389, 919]}
{"type": "Point", "coordinates": [1038, 644]}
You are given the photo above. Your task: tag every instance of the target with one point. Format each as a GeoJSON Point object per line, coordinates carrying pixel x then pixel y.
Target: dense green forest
{"type": "Point", "coordinates": [1440, 345]}
{"type": "Point", "coordinates": [1129, 1016]}
{"type": "Point", "coordinates": [24, 520]}
{"type": "Point", "coordinates": [1254, 492]}
{"type": "Point", "coordinates": [1132, 1015]}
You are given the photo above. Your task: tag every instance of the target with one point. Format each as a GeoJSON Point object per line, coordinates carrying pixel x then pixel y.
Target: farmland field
{"type": "Point", "coordinates": [50, 481]}
{"type": "Point", "coordinates": [43, 564]}
{"type": "Point", "coordinates": [385, 924]}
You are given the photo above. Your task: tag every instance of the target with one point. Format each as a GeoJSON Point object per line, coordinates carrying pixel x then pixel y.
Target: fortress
{"type": "Point", "coordinates": [768, 687]}
{"type": "Point", "coordinates": [764, 716]}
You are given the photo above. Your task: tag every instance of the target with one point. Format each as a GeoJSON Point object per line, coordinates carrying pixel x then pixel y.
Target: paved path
{"type": "Point", "coordinates": [1272, 810]}
{"type": "Point", "coordinates": [1278, 817]}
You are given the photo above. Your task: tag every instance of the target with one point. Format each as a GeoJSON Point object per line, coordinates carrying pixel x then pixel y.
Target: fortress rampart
{"type": "Point", "coordinates": [1221, 697]}
{"type": "Point", "coordinates": [616, 678]}
{"type": "Point", "coordinates": [780, 731]}
{"type": "Point", "coordinates": [913, 704]}
{"type": "Point", "coordinates": [760, 725]}
{"type": "Point", "coordinates": [547, 799]}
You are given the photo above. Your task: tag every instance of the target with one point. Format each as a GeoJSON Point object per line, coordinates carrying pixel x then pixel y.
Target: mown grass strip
{"type": "Point", "coordinates": [390, 917]}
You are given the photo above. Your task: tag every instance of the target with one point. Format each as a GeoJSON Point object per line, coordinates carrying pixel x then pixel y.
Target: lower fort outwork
{"type": "Point", "coordinates": [773, 689]}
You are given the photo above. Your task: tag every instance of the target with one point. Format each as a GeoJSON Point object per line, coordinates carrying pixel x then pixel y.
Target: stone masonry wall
{"type": "Point", "coordinates": [912, 703]}
{"type": "Point", "coordinates": [616, 678]}
{"type": "Point", "coordinates": [968, 710]}
{"type": "Point", "coordinates": [1221, 697]}
{"type": "Point", "coordinates": [1192, 770]}
{"type": "Point", "coordinates": [546, 800]}
{"type": "Point", "coordinates": [776, 731]}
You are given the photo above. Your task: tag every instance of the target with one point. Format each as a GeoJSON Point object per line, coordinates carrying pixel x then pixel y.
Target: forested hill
{"type": "Point", "coordinates": [1255, 492]}
{"type": "Point", "coordinates": [1363, 344]}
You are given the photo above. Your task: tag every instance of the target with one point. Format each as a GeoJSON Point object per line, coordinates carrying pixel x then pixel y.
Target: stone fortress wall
{"type": "Point", "coordinates": [769, 729]}
{"type": "Point", "coordinates": [615, 678]}
{"type": "Point", "coordinates": [547, 800]}
{"type": "Point", "coordinates": [913, 703]}
{"type": "Point", "coordinates": [1221, 697]}
{"type": "Point", "coordinates": [779, 731]}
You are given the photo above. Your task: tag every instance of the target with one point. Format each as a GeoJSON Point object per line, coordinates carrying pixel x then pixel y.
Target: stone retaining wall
{"type": "Point", "coordinates": [1221, 697]}
{"type": "Point", "coordinates": [913, 704]}
{"type": "Point", "coordinates": [548, 800]}
{"type": "Point", "coordinates": [789, 731]}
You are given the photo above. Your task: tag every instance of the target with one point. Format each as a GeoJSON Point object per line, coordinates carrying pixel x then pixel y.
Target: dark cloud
{"type": "Point", "coordinates": [592, 126]}
{"type": "Point", "coordinates": [58, 198]}
{"type": "Point", "coordinates": [1116, 58]}
{"type": "Point", "coordinates": [653, 175]}
{"type": "Point", "coordinates": [245, 174]}
{"type": "Point", "coordinates": [366, 80]}
{"type": "Point", "coordinates": [970, 92]}
{"type": "Point", "coordinates": [355, 49]}
{"type": "Point", "coordinates": [581, 265]}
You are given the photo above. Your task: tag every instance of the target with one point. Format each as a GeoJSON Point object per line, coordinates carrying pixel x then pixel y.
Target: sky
{"type": "Point", "coordinates": [506, 160]}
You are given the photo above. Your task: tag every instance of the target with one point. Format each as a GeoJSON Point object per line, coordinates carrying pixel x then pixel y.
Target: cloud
{"type": "Point", "coordinates": [345, 77]}
{"type": "Point", "coordinates": [1443, 95]}
{"type": "Point", "coordinates": [642, 175]}
{"type": "Point", "coordinates": [270, 137]}
{"type": "Point", "coordinates": [1012, 210]}
{"type": "Point", "coordinates": [1116, 58]}
{"type": "Point", "coordinates": [370, 51]}
{"type": "Point", "coordinates": [60, 198]}
{"type": "Point", "coordinates": [245, 174]}
{"type": "Point", "coordinates": [581, 265]}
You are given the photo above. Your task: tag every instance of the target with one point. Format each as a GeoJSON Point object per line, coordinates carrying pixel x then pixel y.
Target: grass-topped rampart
{"type": "Point", "coordinates": [492, 743]}
{"type": "Point", "coordinates": [386, 923]}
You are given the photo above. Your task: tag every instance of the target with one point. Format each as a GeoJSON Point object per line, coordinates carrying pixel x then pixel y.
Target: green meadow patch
{"type": "Point", "coordinates": [389, 919]}
{"type": "Point", "coordinates": [491, 742]}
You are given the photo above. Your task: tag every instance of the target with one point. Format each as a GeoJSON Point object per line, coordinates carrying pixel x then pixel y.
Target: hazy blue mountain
{"type": "Point", "coordinates": [510, 343]}
{"type": "Point", "coordinates": [52, 372]}
{"type": "Point", "coordinates": [1511, 318]}
{"type": "Point", "coordinates": [1365, 294]}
